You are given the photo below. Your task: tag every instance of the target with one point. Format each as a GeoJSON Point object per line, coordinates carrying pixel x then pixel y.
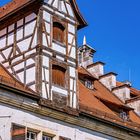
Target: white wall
{"type": "Point", "coordinates": [43, 124]}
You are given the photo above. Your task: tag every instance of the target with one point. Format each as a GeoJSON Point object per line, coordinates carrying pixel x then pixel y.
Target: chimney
{"type": "Point", "coordinates": [85, 54]}
{"type": "Point", "coordinates": [96, 69]}
{"type": "Point", "coordinates": [108, 80]}
{"type": "Point", "coordinates": [122, 92]}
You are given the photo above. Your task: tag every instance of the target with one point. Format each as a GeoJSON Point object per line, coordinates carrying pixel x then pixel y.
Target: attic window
{"type": "Point", "coordinates": [124, 115]}
{"type": "Point", "coordinates": [58, 75]}
{"type": "Point", "coordinates": [58, 32]}
{"type": "Point", "coordinates": [89, 84]}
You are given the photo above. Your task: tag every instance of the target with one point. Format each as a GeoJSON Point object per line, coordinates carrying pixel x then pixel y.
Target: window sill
{"type": "Point", "coordinates": [58, 86]}
{"type": "Point", "coordinates": [59, 43]}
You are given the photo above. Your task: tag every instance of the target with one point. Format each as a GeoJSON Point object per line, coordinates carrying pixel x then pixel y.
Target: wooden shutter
{"type": "Point", "coordinates": [18, 132]}
{"type": "Point", "coordinates": [63, 138]}
{"type": "Point", "coordinates": [58, 32]}
{"type": "Point", "coordinates": [58, 75]}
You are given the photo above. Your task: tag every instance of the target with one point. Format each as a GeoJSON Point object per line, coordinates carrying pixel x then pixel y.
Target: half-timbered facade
{"type": "Point", "coordinates": [34, 44]}
{"type": "Point", "coordinates": [49, 89]}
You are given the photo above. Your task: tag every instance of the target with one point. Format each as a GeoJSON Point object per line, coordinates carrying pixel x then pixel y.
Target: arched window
{"type": "Point", "coordinates": [58, 32]}
{"type": "Point", "coordinates": [58, 75]}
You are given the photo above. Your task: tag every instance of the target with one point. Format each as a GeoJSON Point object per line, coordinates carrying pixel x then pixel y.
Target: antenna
{"type": "Point", "coordinates": [129, 78]}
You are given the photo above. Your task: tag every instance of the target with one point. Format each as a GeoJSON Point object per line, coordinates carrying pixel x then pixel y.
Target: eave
{"type": "Point", "coordinates": [5, 14]}
{"type": "Point", "coordinates": [84, 120]}
{"type": "Point", "coordinates": [80, 18]}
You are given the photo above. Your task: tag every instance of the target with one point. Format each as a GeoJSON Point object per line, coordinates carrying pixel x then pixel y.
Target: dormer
{"type": "Point", "coordinates": [108, 80]}
{"type": "Point", "coordinates": [123, 92]}
{"type": "Point", "coordinates": [96, 69]}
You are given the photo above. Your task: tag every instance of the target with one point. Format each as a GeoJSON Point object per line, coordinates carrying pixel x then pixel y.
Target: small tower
{"type": "Point", "coordinates": [85, 54]}
{"type": "Point", "coordinates": [39, 48]}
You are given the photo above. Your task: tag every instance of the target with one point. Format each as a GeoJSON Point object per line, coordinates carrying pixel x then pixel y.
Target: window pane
{"type": "Point", "coordinates": [46, 137]}
{"type": "Point", "coordinates": [31, 136]}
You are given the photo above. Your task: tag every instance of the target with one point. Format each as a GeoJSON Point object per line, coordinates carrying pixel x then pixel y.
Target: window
{"type": "Point", "coordinates": [124, 115]}
{"type": "Point", "coordinates": [46, 137]}
{"type": "Point", "coordinates": [58, 32]}
{"type": "Point", "coordinates": [31, 135]}
{"type": "Point", "coordinates": [89, 84]}
{"type": "Point", "coordinates": [18, 132]}
{"type": "Point", "coordinates": [58, 75]}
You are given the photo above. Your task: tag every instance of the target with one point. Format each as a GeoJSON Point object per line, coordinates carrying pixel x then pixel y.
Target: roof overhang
{"type": "Point", "coordinates": [80, 18]}
{"type": "Point", "coordinates": [16, 5]}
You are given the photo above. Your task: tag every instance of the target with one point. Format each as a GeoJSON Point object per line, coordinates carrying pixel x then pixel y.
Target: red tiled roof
{"type": "Point", "coordinates": [11, 6]}
{"type": "Point", "coordinates": [7, 79]}
{"type": "Point", "coordinates": [94, 107]}
{"type": "Point", "coordinates": [87, 98]}
{"type": "Point", "coordinates": [88, 101]}
{"type": "Point", "coordinates": [104, 93]}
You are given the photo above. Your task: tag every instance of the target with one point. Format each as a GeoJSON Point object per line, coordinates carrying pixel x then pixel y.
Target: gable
{"type": "Point", "coordinates": [68, 7]}
{"type": "Point", "coordinates": [62, 6]}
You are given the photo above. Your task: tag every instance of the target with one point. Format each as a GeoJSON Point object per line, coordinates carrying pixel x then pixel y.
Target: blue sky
{"type": "Point", "coordinates": [114, 31]}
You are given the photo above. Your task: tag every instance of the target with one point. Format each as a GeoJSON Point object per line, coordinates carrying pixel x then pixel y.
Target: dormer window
{"type": "Point", "coordinates": [89, 84]}
{"type": "Point", "coordinates": [124, 115]}
{"type": "Point", "coordinates": [58, 32]}
{"type": "Point", "coordinates": [58, 75]}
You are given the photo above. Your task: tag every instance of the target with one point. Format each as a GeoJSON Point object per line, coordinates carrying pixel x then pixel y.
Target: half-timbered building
{"type": "Point", "coordinates": [52, 90]}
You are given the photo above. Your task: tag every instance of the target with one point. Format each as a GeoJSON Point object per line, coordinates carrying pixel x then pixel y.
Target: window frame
{"type": "Point", "coordinates": [29, 131]}
{"type": "Point", "coordinates": [65, 75]}
{"type": "Point", "coordinates": [45, 135]}
{"type": "Point", "coordinates": [64, 24]}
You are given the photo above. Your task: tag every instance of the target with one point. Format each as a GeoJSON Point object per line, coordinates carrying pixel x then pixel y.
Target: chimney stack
{"type": "Point", "coordinates": [108, 80]}
{"type": "Point", "coordinates": [85, 54]}
{"type": "Point", "coordinates": [96, 69]}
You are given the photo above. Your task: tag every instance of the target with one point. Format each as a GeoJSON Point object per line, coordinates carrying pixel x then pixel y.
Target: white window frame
{"type": "Point", "coordinates": [30, 133]}
{"type": "Point", "coordinates": [46, 137]}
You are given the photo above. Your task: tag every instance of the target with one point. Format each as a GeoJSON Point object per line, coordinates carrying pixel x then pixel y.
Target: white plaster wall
{"type": "Point", "coordinates": [43, 124]}
{"type": "Point", "coordinates": [2, 42]}
{"type": "Point", "coordinates": [59, 48]}
{"type": "Point", "coordinates": [24, 45]}
{"type": "Point", "coordinates": [29, 28]}
{"type": "Point", "coordinates": [10, 38]}
{"type": "Point", "coordinates": [20, 23]}
{"type": "Point", "coordinates": [70, 11]}
{"type": "Point", "coordinates": [46, 16]}
{"type": "Point", "coordinates": [30, 17]}
{"type": "Point", "coordinates": [60, 90]}
{"type": "Point", "coordinates": [30, 75]}
{"type": "Point", "coordinates": [11, 27]}
{"type": "Point", "coordinates": [2, 32]}
{"type": "Point", "coordinates": [72, 72]}
{"type": "Point", "coordinates": [19, 33]}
